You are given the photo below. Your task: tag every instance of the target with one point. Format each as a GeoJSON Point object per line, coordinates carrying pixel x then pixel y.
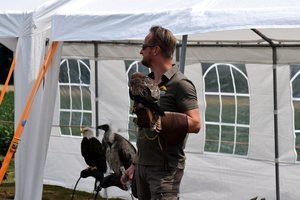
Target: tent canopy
{"type": "Point", "coordinates": [103, 20]}
{"type": "Point", "coordinates": [119, 27]}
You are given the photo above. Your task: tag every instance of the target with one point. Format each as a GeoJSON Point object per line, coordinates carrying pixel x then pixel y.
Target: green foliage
{"type": "Point", "coordinates": [6, 121]}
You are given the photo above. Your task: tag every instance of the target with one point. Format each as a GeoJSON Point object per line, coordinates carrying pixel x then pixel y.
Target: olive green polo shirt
{"type": "Point", "coordinates": [177, 94]}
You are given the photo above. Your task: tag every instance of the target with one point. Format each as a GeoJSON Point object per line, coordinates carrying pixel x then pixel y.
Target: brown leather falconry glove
{"type": "Point", "coordinates": [174, 125]}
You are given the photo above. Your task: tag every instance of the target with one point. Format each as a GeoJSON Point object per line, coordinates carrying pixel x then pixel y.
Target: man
{"type": "Point", "coordinates": [159, 164]}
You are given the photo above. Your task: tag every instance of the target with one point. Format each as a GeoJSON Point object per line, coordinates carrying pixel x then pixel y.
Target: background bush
{"type": "Point", "coordinates": [6, 116]}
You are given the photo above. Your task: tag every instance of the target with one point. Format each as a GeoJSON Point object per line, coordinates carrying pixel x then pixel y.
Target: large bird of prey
{"type": "Point", "coordinates": [143, 90]}
{"type": "Point", "coordinates": [92, 151]}
{"type": "Point", "coordinates": [119, 151]}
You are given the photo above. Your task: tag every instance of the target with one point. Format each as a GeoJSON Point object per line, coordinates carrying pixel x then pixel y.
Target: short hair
{"type": "Point", "coordinates": [165, 39]}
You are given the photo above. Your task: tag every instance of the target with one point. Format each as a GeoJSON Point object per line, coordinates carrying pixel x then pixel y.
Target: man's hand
{"type": "Point", "coordinates": [128, 176]}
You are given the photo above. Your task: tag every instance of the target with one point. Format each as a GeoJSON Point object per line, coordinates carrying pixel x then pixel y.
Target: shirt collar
{"type": "Point", "coordinates": [167, 75]}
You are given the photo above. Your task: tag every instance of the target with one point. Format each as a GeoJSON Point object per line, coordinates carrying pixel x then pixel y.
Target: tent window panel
{"type": "Point", "coordinates": [296, 105]}
{"type": "Point", "coordinates": [227, 139]}
{"type": "Point", "coordinates": [242, 140]}
{"type": "Point", "coordinates": [212, 108]}
{"type": "Point", "coordinates": [132, 129]}
{"type": "Point", "coordinates": [135, 66]}
{"type": "Point", "coordinates": [241, 83]}
{"type": "Point", "coordinates": [211, 81]}
{"type": "Point", "coordinates": [87, 119]}
{"type": "Point", "coordinates": [86, 98]}
{"type": "Point", "coordinates": [226, 82]}
{"type": "Point", "coordinates": [212, 138]}
{"type": "Point", "coordinates": [75, 96]}
{"type": "Point", "coordinates": [84, 71]}
{"type": "Point", "coordinates": [64, 121]}
{"type": "Point", "coordinates": [65, 101]}
{"type": "Point", "coordinates": [296, 87]}
{"type": "Point", "coordinates": [76, 121]}
{"type": "Point", "coordinates": [243, 110]}
{"type": "Point", "coordinates": [297, 144]}
{"type": "Point", "coordinates": [64, 72]}
{"type": "Point", "coordinates": [228, 109]}
{"type": "Point", "coordinates": [74, 72]}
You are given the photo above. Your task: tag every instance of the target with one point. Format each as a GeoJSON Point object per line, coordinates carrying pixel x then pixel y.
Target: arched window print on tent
{"type": "Point", "coordinates": [227, 113]}
{"type": "Point", "coordinates": [295, 85]}
{"type": "Point", "coordinates": [131, 67]}
{"type": "Point", "coordinates": [75, 109]}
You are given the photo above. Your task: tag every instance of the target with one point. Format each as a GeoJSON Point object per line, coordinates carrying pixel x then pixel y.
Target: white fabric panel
{"type": "Point", "coordinates": [31, 154]}
{"type": "Point", "coordinates": [222, 177]}
{"type": "Point", "coordinates": [285, 116]}
{"type": "Point", "coordinates": [247, 35]}
{"type": "Point", "coordinates": [193, 54]}
{"type": "Point", "coordinates": [195, 142]}
{"type": "Point", "coordinates": [113, 95]}
{"type": "Point", "coordinates": [261, 144]}
{"type": "Point", "coordinates": [132, 19]}
{"type": "Point", "coordinates": [10, 43]}
{"type": "Point", "coordinates": [245, 55]}
{"type": "Point", "coordinates": [106, 51]}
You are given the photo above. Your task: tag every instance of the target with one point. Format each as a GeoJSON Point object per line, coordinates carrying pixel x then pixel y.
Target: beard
{"type": "Point", "coordinates": [146, 62]}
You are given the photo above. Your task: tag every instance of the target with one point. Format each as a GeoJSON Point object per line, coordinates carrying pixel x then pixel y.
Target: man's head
{"type": "Point", "coordinates": [164, 39]}
{"type": "Point", "coordinates": [159, 41]}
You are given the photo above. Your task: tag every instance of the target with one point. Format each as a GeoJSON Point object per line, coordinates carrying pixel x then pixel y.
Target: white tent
{"type": "Point", "coordinates": [217, 31]}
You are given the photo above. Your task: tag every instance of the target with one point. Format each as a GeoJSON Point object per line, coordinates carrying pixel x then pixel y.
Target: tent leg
{"type": "Point", "coordinates": [274, 55]}
{"type": "Point", "coordinates": [183, 53]}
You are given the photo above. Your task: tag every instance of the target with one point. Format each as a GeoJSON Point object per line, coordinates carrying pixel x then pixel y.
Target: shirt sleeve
{"type": "Point", "coordinates": [186, 97]}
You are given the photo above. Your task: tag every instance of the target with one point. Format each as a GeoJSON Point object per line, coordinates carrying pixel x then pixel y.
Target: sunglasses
{"type": "Point", "coordinates": [144, 46]}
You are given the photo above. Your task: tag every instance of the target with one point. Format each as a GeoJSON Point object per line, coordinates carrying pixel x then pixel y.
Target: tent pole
{"type": "Point", "coordinates": [12, 67]}
{"type": "Point", "coordinates": [274, 55]}
{"type": "Point", "coordinates": [96, 87]}
{"type": "Point", "coordinates": [183, 53]}
{"type": "Point", "coordinates": [15, 141]}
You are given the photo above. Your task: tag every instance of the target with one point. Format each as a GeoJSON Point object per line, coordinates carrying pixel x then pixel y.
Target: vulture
{"type": "Point", "coordinates": [92, 151]}
{"type": "Point", "coordinates": [143, 90]}
{"type": "Point", "coordinates": [119, 151]}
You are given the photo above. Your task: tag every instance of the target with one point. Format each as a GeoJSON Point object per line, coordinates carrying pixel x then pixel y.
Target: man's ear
{"type": "Point", "coordinates": [156, 50]}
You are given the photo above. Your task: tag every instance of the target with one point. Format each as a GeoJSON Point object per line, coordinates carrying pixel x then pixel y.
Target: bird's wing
{"type": "Point", "coordinates": [145, 87]}
{"type": "Point", "coordinates": [144, 90]}
{"type": "Point", "coordinates": [98, 154]}
{"type": "Point", "coordinates": [85, 151]}
{"type": "Point", "coordinates": [126, 150]}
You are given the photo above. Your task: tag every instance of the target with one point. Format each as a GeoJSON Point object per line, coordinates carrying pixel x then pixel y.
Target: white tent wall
{"type": "Point", "coordinates": [207, 176]}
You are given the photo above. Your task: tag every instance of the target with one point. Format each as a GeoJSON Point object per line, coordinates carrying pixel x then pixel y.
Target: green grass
{"type": "Point", "coordinates": [50, 192]}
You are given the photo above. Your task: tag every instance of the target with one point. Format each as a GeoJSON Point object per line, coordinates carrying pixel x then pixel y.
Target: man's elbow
{"type": "Point", "coordinates": [195, 128]}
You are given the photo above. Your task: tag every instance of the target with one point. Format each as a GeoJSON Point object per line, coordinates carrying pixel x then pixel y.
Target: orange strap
{"type": "Point", "coordinates": [12, 67]}
{"type": "Point", "coordinates": [15, 141]}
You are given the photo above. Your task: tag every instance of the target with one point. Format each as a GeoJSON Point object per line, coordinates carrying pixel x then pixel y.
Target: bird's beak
{"type": "Point", "coordinates": [82, 131]}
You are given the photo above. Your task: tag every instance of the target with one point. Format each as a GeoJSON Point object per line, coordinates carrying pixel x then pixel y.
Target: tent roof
{"type": "Point", "coordinates": [17, 6]}
{"type": "Point", "coordinates": [106, 20]}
